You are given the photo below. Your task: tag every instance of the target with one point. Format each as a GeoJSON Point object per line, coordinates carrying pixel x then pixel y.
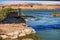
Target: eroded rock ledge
{"type": "Point", "coordinates": [15, 30]}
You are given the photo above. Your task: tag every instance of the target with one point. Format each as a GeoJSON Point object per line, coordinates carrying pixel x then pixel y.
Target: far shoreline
{"type": "Point", "coordinates": [40, 9]}
{"type": "Point", "coordinates": [31, 6]}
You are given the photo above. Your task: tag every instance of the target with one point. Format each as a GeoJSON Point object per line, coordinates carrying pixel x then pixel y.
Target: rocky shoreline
{"type": "Point", "coordinates": [15, 30]}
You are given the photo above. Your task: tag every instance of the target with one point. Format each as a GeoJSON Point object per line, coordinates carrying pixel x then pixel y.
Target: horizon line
{"type": "Point", "coordinates": [35, 2]}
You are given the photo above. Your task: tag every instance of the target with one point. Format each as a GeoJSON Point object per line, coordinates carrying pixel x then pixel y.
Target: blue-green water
{"type": "Point", "coordinates": [46, 26]}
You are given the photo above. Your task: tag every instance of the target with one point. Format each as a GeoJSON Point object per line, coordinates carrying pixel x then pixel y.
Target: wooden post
{"type": "Point", "coordinates": [19, 10]}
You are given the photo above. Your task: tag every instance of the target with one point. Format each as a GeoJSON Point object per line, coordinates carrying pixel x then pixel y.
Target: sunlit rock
{"type": "Point", "coordinates": [15, 30]}
{"type": "Point", "coordinates": [29, 31]}
{"type": "Point", "coordinates": [4, 36]}
{"type": "Point", "coordinates": [22, 33]}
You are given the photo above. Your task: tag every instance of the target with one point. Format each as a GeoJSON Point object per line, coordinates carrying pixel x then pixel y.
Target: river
{"type": "Point", "coordinates": [46, 25]}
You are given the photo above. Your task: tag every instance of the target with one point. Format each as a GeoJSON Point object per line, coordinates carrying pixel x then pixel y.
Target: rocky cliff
{"type": "Point", "coordinates": [15, 30]}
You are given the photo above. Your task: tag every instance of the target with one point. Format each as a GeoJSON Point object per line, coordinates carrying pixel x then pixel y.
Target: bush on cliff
{"type": "Point", "coordinates": [3, 12]}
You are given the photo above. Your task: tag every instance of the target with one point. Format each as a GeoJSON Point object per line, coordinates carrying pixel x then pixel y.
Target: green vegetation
{"type": "Point", "coordinates": [3, 12]}
{"type": "Point", "coordinates": [56, 12]}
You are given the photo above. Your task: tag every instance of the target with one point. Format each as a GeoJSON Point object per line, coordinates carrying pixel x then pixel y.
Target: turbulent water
{"type": "Point", "coordinates": [45, 24]}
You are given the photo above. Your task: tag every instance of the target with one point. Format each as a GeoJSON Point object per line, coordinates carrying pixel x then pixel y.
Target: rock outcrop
{"type": "Point", "coordinates": [15, 30]}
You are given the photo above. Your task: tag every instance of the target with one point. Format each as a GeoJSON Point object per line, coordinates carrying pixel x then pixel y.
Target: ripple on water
{"type": "Point", "coordinates": [49, 34]}
{"type": "Point", "coordinates": [45, 23]}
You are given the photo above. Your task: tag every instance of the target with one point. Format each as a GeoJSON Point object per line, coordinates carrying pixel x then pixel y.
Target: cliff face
{"type": "Point", "coordinates": [32, 6]}
{"type": "Point", "coordinates": [15, 30]}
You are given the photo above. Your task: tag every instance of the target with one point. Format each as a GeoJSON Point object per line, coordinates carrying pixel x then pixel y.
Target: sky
{"type": "Point", "coordinates": [29, 0]}
{"type": "Point", "coordinates": [40, 2]}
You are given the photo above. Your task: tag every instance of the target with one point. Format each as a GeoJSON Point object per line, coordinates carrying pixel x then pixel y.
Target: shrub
{"type": "Point", "coordinates": [3, 12]}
